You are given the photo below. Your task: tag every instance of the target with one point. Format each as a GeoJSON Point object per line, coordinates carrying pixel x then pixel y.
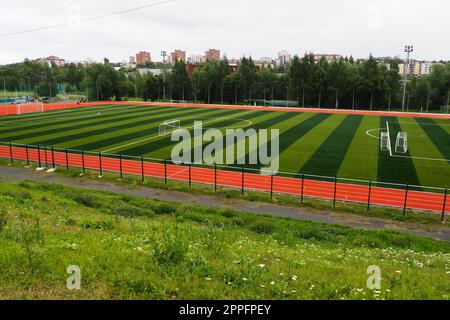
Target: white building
{"type": "Point", "coordinates": [283, 58]}
{"type": "Point", "coordinates": [196, 59]}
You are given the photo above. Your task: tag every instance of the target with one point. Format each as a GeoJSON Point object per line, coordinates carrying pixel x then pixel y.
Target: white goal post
{"type": "Point", "coordinates": [29, 108]}
{"type": "Point", "coordinates": [385, 142]}
{"type": "Point", "coordinates": [401, 143]}
{"type": "Point", "coordinates": [169, 126]}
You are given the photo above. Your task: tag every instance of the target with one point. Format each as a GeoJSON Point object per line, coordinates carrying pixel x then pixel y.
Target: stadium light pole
{"type": "Point", "coordinates": [164, 55]}
{"type": "Point", "coordinates": [408, 50]}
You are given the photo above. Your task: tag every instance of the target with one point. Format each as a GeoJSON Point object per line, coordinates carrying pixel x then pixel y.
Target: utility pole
{"type": "Point", "coordinates": [408, 50]}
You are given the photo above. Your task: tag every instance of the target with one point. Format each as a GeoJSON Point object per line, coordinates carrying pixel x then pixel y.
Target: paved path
{"type": "Point", "coordinates": [349, 220]}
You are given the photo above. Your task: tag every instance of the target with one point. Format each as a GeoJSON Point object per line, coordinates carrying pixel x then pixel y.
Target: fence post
{"type": "Point", "coordinates": [271, 186]}
{"type": "Point", "coordinates": [82, 160]}
{"type": "Point", "coordinates": [53, 158]}
{"type": "Point", "coordinates": [370, 192]}
{"type": "Point", "coordinates": [100, 163]}
{"type": "Point", "coordinates": [303, 187]}
{"type": "Point", "coordinates": [406, 199]}
{"type": "Point", "coordinates": [243, 189]}
{"type": "Point", "coordinates": [11, 153]}
{"type": "Point", "coordinates": [215, 177]}
{"type": "Point", "coordinates": [165, 171]}
{"type": "Point", "coordinates": [142, 169]}
{"type": "Point", "coordinates": [334, 196]}
{"type": "Point", "coordinates": [67, 160]}
{"type": "Point", "coordinates": [445, 202]}
{"type": "Point", "coordinates": [39, 156]}
{"type": "Point", "coordinates": [121, 172]}
{"type": "Point", "coordinates": [46, 158]}
{"type": "Point", "coordinates": [28, 157]}
{"type": "Point", "coordinates": [190, 175]}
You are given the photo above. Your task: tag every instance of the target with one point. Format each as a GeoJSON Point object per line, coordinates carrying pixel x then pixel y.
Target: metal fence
{"type": "Point", "coordinates": [303, 185]}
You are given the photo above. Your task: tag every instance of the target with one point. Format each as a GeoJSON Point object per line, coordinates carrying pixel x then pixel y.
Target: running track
{"type": "Point", "coordinates": [417, 200]}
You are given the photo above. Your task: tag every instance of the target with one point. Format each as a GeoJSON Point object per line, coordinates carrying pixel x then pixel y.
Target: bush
{"type": "Point", "coordinates": [20, 196]}
{"type": "Point", "coordinates": [263, 227]}
{"type": "Point", "coordinates": [165, 208]}
{"type": "Point", "coordinates": [129, 211]}
{"type": "Point", "coordinates": [96, 225]}
{"type": "Point", "coordinates": [87, 200]}
{"type": "Point", "coordinates": [3, 220]}
{"type": "Point", "coordinates": [172, 249]}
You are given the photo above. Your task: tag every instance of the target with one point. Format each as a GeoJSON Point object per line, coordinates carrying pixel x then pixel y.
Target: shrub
{"type": "Point", "coordinates": [165, 208]}
{"type": "Point", "coordinates": [172, 249]}
{"type": "Point", "coordinates": [263, 227]}
{"type": "Point", "coordinates": [128, 211]}
{"type": "Point", "coordinates": [97, 225]}
{"type": "Point", "coordinates": [87, 200]}
{"type": "Point", "coordinates": [3, 220]}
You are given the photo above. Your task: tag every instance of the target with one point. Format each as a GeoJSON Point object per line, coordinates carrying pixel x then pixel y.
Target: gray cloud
{"type": "Point", "coordinates": [251, 27]}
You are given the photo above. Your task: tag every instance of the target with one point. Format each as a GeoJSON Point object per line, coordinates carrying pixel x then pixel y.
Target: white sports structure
{"type": "Point", "coordinates": [385, 142]}
{"type": "Point", "coordinates": [401, 143]}
{"type": "Point", "coordinates": [169, 126]}
{"type": "Point", "coordinates": [29, 108]}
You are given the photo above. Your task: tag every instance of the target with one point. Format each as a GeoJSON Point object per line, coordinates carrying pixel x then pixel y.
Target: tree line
{"type": "Point", "coordinates": [343, 83]}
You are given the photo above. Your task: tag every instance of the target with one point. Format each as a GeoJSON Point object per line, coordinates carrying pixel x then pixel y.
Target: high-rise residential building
{"type": "Point", "coordinates": [416, 68]}
{"type": "Point", "coordinates": [142, 57]}
{"type": "Point", "coordinates": [212, 54]}
{"type": "Point", "coordinates": [283, 58]}
{"type": "Point", "coordinates": [178, 55]}
{"type": "Point", "coordinates": [132, 60]}
{"type": "Point", "coordinates": [196, 59]}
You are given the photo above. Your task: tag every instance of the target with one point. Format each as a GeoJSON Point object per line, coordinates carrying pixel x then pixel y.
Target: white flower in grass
{"type": "Point", "coordinates": [244, 279]}
{"type": "Point", "coordinates": [262, 286]}
{"type": "Point", "coordinates": [294, 278]}
{"type": "Point", "coordinates": [272, 283]}
{"type": "Point", "coordinates": [262, 265]}
{"type": "Point", "coordinates": [398, 271]}
{"type": "Point", "coordinates": [208, 279]}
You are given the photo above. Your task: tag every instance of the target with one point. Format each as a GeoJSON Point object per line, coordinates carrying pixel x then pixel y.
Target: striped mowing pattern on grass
{"type": "Point", "coordinates": [328, 158]}
{"type": "Point", "coordinates": [423, 150]}
{"type": "Point", "coordinates": [314, 143]}
{"type": "Point", "coordinates": [361, 159]}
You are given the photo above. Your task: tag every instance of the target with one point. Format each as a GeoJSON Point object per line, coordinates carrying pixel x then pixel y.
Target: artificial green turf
{"type": "Point", "coordinates": [328, 158]}
{"type": "Point", "coordinates": [361, 159]}
{"type": "Point", "coordinates": [320, 144]}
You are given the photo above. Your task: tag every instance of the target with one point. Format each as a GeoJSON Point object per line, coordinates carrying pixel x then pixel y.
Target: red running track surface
{"type": "Point", "coordinates": [383, 196]}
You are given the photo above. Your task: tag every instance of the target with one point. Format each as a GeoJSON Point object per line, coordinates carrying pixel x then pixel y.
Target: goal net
{"type": "Point", "coordinates": [401, 143]}
{"type": "Point", "coordinates": [169, 126]}
{"type": "Point", "coordinates": [29, 108]}
{"type": "Point", "coordinates": [385, 143]}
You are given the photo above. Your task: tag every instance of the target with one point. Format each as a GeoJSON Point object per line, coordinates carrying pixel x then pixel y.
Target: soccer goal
{"type": "Point", "coordinates": [385, 142]}
{"type": "Point", "coordinates": [169, 126]}
{"type": "Point", "coordinates": [29, 108]}
{"type": "Point", "coordinates": [401, 144]}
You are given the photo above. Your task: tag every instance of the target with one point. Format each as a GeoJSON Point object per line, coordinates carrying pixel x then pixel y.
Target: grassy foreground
{"type": "Point", "coordinates": [135, 248]}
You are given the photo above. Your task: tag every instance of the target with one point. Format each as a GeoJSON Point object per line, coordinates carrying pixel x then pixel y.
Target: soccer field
{"type": "Point", "coordinates": [341, 145]}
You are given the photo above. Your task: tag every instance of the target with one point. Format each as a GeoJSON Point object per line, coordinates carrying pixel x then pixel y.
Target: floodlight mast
{"type": "Point", "coordinates": [408, 50]}
{"type": "Point", "coordinates": [164, 55]}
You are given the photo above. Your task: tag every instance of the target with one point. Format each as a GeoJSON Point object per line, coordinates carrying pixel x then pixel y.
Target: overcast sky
{"type": "Point", "coordinates": [236, 27]}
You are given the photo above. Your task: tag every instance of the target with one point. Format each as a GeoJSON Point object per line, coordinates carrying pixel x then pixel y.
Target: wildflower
{"type": "Point", "coordinates": [272, 283]}
{"type": "Point", "coordinates": [262, 265]}
{"type": "Point", "coordinates": [294, 278]}
{"type": "Point", "coordinates": [244, 279]}
{"type": "Point", "coordinates": [208, 279]}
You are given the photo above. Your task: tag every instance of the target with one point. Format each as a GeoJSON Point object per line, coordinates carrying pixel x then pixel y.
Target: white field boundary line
{"type": "Point", "coordinates": [389, 140]}
{"type": "Point", "coordinates": [159, 136]}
